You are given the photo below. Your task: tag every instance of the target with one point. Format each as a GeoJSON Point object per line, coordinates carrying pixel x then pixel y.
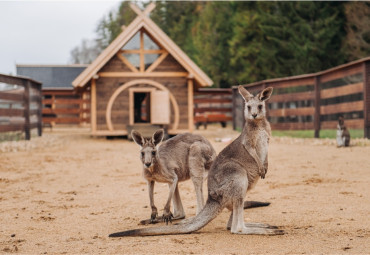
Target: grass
{"type": "Point", "coordinates": [325, 133]}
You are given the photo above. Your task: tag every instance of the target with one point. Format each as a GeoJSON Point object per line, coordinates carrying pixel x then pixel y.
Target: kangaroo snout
{"type": "Point", "coordinates": [148, 164]}
{"type": "Point", "coordinates": [254, 115]}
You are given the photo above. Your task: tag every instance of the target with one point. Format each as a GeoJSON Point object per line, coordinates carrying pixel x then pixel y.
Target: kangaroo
{"type": "Point", "coordinates": [178, 159]}
{"type": "Point", "coordinates": [235, 171]}
{"type": "Point", "coordinates": [175, 160]}
{"type": "Point", "coordinates": [343, 135]}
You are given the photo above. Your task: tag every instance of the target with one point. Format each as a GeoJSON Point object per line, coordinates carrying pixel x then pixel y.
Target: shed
{"type": "Point", "coordinates": [62, 104]}
{"type": "Point", "coordinates": [141, 79]}
{"type": "Point", "coordinates": [53, 77]}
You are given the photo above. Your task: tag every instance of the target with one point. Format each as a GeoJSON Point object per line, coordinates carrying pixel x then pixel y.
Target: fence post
{"type": "Point", "coordinates": [233, 93]}
{"type": "Point", "coordinates": [27, 124]}
{"type": "Point", "coordinates": [366, 80]}
{"type": "Point", "coordinates": [317, 107]}
{"type": "Point", "coordinates": [39, 115]}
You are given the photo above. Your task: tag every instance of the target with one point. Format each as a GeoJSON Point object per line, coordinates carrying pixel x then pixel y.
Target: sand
{"type": "Point", "coordinates": [65, 192]}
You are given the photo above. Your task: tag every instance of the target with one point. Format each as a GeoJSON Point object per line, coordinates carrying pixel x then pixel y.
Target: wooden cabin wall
{"type": "Point", "coordinates": [105, 87]}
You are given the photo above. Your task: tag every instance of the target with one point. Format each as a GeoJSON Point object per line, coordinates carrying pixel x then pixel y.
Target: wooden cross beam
{"type": "Point", "coordinates": [141, 13]}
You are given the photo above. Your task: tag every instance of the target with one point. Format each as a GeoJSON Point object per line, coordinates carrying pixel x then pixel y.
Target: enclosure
{"type": "Point", "coordinates": [315, 101]}
{"type": "Point", "coordinates": [66, 201]}
{"type": "Point", "coordinates": [20, 105]}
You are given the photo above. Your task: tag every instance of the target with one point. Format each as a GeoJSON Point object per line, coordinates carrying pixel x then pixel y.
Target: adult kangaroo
{"type": "Point", "coordinates": [235, 171]}
{"type": "Point", "coordinates": [183, 157]}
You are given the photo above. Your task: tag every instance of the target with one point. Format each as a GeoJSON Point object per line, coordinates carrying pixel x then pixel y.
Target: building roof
{"type": "Point", "coordinates": [52, 76]}
{"type": "Point", "coordinates": [142, 21]}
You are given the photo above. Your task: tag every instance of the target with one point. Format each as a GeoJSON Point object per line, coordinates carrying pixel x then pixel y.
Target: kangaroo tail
{"type": "Point", "coordinates": [208, 213]}
{"type": "Point", "coordinates": [252, 204]}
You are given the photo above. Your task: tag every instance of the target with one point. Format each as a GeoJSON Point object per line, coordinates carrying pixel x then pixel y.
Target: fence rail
{"type": "Point", "coordinates": [212, 105]}
{"type": "Point", "coordinates": [315, 101]}
{"type": "Point", "coordinates": [65, 107]}
{"type": "Point", "coordinates": [20, 105]}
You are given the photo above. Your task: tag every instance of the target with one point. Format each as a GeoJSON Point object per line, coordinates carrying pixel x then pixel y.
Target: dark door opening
{"type": "Point", "coordinates": [141, 107]}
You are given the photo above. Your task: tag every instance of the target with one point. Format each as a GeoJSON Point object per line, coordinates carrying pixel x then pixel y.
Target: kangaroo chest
{"type": "Point", "coordinates": [262, 145]}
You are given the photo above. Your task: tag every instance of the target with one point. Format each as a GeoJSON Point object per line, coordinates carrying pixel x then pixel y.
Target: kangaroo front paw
{"type": "Point", "coordinates": [167, 217]}
{"type": "Point", "coordinates": [263, 172]}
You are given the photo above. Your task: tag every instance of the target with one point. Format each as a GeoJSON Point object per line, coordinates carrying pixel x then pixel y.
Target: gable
{"type": "Point", "coordinates": [169, 64]}
{"type": "Point", "coordinates": [142, 60]}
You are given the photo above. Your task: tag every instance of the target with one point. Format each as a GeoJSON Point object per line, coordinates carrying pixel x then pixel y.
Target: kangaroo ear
{"type": "Point", "coordinates": [265, 94]}
{"type": "Point", "coordinates": [158, 136]}
{"type": "Point", "coordinates": [245, 93]}
{"type": "Point", "coordinates": [138, 138]}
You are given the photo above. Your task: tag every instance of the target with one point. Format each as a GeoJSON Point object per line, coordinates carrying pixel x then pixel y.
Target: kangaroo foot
{"type": "Point", "coordinates": [256, 225]}
{"type": "Point", "coordinates": [151, 221]}
{"type": "Point", "coordinates": [259, 225]}
{"type": "Point", "coordinates": [167, 217]}
{"type": "Point", "coordinates": [252, 204]}
{"type": "Point", "coordinates": [159, 220]}
{"type": "Point", "coordinates": [270, 230]}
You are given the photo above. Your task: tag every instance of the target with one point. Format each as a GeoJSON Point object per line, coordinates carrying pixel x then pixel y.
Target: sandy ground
{"type": "Point", "coordinates": [65, 193]}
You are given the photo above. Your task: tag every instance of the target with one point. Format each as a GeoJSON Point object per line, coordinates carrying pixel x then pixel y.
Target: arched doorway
{"type": "Point", "coordinates": [152, 89]}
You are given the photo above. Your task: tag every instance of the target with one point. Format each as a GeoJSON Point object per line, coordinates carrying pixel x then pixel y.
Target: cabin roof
{"type": "Point", "coordinates": [140, 22]}
{"type": "Point", "coordinates": [51, 76]}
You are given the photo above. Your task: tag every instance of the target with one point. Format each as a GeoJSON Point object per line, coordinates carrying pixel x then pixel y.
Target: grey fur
{"type": "Point", "coordinates": [235, 171]}
{"type": "Point", "coordinates": [343, 135]}
{"type": "Point", "coordinates": [183, 157]}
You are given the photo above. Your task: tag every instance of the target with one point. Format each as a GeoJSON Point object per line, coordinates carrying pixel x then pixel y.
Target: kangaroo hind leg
{"type": "Point", "coordinates": [197, 171]}
{"type": "Point", "coordinates": [178, 209]}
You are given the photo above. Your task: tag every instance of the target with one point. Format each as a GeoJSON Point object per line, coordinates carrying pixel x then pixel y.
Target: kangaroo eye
{"type": "Point", "coordinates": [260, 107]}
{"type": "Point", "coordinates": [153, 153]}
{"type": "Point", "coordinates": [249, 107]}
{"type": "Point", "coordinates": [142, 154]}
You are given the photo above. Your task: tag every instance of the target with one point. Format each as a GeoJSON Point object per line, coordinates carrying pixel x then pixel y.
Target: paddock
{"type": "Point", "coordinates": [56, 198]}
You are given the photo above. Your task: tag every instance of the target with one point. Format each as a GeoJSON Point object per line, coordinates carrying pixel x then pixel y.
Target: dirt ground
{"type": "Point", "coordinates": [66, 192]}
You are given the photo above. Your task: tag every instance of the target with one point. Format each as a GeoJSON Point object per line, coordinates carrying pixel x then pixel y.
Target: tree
{"type": "Point", "coordinates": [242, 42]}
{"type": "Point", "coordinates": [86, 53]}
{"type": "Point", "coordinates": [276, 39]}
{"type": "Point", "coordinates": [210, 36]}
{"type": "Point", "coordinates": [357, 42]}
{"type": "Point", "coordinates": [111, 26]}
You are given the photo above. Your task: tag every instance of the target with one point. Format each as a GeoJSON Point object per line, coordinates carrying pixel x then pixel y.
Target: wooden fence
{"type": "Point", "coordinates": [212, 105]}
{"type": "Point", "coordinates": [65, 107]}
{"type": "Point", "coordinates": [20, 105]}
{"type": "Point", "coordinates": [315, 101]}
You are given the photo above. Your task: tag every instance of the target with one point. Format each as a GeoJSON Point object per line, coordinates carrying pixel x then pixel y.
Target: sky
{"type": "Point", "coordinates": [45, 32]}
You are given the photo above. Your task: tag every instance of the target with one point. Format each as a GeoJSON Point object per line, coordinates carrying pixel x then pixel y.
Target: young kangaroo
{"type": "Point", "coordinates": [178, 159]}
{"type": "Point", "coordinates": [343, 136]}
{"type": "Point", "coordinates": [235, 171]}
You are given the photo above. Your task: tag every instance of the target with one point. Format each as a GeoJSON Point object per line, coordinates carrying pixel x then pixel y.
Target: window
{"type": "Point", "coordinates": [141, 52]}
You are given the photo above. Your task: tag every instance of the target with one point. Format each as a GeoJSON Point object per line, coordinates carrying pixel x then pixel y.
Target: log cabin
{"type": "Point", "coordinates": [142, 79]}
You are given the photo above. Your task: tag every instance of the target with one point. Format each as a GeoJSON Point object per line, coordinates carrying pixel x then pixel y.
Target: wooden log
{"type": "Point", "coordinates": [342, 91]}
{"type": "Point", "coordinates": [366, 91]}
{"type": "Point", "coordinates": [340, 73]}
{"type": "Point", "coordinates": [300, 96]}
{"type": "Point", "coordinates": [354, 123]}
{"type": "Point", "coordinates": [316, 118]}
{"type": "Point", "coordinates": [12, 112]}
{"type": "Point", "coordinates": [301, 111]}
{"type": "Point", "coordinates": [343, 107]}
{"type": "Point", "coordinates": [27, 128]}
{"type": "Point", "coordinates": [12, 127]}
{"type": "Point", "coordinates": [293, 126]}
{"type": "Point", "coordinates": [17, 97]}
